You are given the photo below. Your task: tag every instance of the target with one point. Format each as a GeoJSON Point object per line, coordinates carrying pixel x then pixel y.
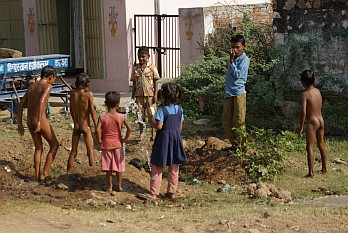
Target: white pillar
{"type": "Point", "coordinates": [157, 7]}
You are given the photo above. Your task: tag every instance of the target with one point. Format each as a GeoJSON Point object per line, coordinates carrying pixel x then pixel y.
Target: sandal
{"type": "Point", "coordinates": [170, 196]}
{"type": "Point", "coordinates": [146, 196]}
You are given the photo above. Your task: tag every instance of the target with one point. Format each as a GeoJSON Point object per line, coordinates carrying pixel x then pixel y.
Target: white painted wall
{"type": "Point", "coordinates": [171, 7]}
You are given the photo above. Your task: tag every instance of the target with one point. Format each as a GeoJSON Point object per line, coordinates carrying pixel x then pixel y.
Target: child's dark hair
{"type": "Point", "coordinates": [238, 38]}
{"type": "Point", "coordinates": [112, 99]}
{"type": "Point", "coordinates": [171, 93]}
{"type": "Point", "coordinates": [81, 81]}
{"type": "Point", "coordinates": [48, 71]}
{"type": "Point", "coordinates": [307, 77]}
{"type": "Point", "coordinates": [143, 50]}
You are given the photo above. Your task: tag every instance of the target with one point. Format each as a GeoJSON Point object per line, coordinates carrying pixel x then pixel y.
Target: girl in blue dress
{"type": "Point", "coordinates": [168, 149]}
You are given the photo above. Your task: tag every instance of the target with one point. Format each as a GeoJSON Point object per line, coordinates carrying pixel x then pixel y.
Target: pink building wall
{"type": "Point", "coordinates": [115, 48]}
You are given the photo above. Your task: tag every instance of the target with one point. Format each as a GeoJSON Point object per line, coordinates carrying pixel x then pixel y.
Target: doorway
{"type": "Point", "coordinates": [73, 27]}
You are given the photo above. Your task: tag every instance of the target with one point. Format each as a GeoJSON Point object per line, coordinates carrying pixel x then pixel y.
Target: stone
{"type": "Point", "coordinates": [272, 188]}
{"type": "Point", "coordinates": [260, 193]}
{"type": "Point", "coordinates": [221, 181]}
{"type": "Point", "coordinates": [316, 4]}
{"type": "Point", "coordinates": [302, 4]}
{"type": "Point", "coordinates": [285, 195]}
{"type": "Point", "coordinates": [267, 214]}
{"type": "Point", "coordinates": [251, 189]}
{"type": "Point", "coordinates": [62, 186]}
{"type": "Point", "coordinates": [289, 4]}
{"type": "Point", "coordinates": [264, 186]}
{"type": "Point", "coordinates": [201, 122]}
{"type": "Point", "coordinates": [254, 231]}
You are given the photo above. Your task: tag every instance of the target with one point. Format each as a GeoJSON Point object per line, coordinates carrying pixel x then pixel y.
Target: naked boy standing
{"type": "Point", "coordinates": [37, 99]}
{"type": "Point", "coordinates": [81, 110]}
{"type": "Point", "coordinates": [311, 102]}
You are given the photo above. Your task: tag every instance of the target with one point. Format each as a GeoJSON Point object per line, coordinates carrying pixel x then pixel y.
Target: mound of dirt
{"type": "Point", "coordinates": [208, 162]}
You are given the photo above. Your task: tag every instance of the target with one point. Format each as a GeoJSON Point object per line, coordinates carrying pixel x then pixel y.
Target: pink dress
{"type": "Point", "coordinates": [112, 156]}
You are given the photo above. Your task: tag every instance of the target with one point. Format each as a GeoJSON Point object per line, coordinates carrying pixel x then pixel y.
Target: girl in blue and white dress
{"type": "Point", "coordinates": [168, 149]}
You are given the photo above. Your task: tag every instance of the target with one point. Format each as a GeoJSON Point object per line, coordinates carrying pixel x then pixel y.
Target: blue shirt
{"type": "Point", "coordinates": [236, 76]}
{"type": "Point", "coordinates": [172, 109]}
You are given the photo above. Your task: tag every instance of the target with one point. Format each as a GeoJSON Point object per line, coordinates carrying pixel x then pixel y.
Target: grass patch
{"type": "Point", "coordinates": [334, 181]}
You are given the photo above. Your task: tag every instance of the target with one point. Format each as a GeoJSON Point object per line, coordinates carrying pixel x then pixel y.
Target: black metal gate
{"type": "Point", "coordinates": [160, 33]}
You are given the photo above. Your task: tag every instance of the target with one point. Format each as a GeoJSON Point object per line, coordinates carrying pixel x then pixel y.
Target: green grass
{"type": "Point", "coordinates": [335, 180]}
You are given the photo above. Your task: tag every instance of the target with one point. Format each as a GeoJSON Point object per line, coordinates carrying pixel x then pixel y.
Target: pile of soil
{"type": "Point", "coordinates": [85, 186]}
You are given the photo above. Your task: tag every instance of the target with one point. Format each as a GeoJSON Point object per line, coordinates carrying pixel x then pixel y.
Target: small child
{"type": "Point", "coordinates": [37, 99]}
{"type": "Point", "coordinates": [145, 86]}
{"type": "Point", "coordinates": [81, 109]}
{"type": "Point", "coordinates": [109, 136]}
{"type": "Point", "coordinates": [311, 102]}
{"type": "Point", "coordinates": [168, 149]}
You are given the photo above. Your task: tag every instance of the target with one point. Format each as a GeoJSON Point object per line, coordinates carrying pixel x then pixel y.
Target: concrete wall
{"type": "Point", "coordinates": [325, 23]}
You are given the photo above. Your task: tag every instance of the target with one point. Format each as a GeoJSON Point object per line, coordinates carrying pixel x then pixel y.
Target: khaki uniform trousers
{"type": "Point", "coordinates": [144, 104]}
{"type": "Point", "coordinates": [234, 117]}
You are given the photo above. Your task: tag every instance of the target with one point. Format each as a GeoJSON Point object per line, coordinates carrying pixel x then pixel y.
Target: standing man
{"type": "Point", "coordinates": [235, 94]}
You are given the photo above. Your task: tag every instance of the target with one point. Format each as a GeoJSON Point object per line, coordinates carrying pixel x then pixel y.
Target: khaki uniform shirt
{"type": "Point", "coordinates": [144, 80]}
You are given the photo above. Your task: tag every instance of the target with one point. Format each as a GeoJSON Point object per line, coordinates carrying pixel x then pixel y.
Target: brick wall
{"type": "Point", "coordinates": [226, 15]}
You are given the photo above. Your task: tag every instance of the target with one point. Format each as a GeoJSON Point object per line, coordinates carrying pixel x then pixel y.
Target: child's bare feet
{"type": "Point", "coordinates": [309, 175]}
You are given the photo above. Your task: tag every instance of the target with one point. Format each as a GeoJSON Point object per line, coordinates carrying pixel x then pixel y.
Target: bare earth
{"type": "Point", "coordinates": [77, 202]}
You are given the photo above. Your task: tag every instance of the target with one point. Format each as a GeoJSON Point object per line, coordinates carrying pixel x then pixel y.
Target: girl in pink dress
{"type": "Point", "coordinates": [110, 138]}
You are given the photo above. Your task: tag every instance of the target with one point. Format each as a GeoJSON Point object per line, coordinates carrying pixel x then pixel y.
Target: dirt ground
{"type": "Point", "coordinates": [208, 163]}
{"type": "Point", "coordinates": [77, 201]}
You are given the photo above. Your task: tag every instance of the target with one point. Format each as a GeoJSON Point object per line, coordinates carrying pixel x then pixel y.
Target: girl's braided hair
{"type": "Point", "coordinates": [171, 93]}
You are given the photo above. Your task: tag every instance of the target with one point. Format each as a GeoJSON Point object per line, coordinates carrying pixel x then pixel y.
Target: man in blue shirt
{"type": "Point", "coordinates": [235, 93]}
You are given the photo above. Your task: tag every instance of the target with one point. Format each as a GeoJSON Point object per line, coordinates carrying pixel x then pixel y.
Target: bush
{"type": "Point", "coordinates": [205, 79]}
{"type": "Point", "coordinates": [263, 152]}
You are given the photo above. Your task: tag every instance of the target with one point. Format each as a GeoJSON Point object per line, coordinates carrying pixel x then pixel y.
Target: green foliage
{"type": "Point", "coordinates": [273, 76]}
{"type": "Point", "coordinates": [333, 33]}
{"type": "Point", "coordinates": [336, 123]}
{"type": "Point", "coordinates": [56, 171]}
{"type": "Point", "coordinates": [263, 151]}
{"type": "Point", "coordinates": [204, 79]}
